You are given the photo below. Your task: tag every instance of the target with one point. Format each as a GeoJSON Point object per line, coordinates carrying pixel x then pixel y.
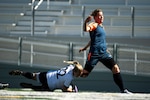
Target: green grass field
{"type": "Point", "coordinates": [28, 94]}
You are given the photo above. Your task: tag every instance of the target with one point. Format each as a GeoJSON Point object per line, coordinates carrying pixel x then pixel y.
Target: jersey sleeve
{"type": "Point", "coordinates": [67, 82]}
{"type": "Point", "coordinates": [69, 76]}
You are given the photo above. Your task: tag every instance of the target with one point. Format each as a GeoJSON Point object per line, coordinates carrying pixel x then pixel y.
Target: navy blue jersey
{"type": "Point", "coordinates": [98, 42]}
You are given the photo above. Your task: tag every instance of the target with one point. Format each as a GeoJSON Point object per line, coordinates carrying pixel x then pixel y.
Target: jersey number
{"type": "Point", "coordinates": [61, 72]}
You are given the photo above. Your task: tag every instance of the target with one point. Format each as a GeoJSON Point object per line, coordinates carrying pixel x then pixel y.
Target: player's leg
{"type": "Point", "coordinates": [41, 78]}
{"type": "Point", "coordinates": [118, 79]}
{"type": "Point", "coordinates": [28, 75]}
{"type": "Point", "coordinates": [91, 62]}
{"type": "Point", "coordinates": [111, 64]}
{"type": "Point", "coordinates": [34, 87]}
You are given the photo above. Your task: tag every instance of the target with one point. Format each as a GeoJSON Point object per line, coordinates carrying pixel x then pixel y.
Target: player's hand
{"type": "Point", "coordinates": [82, 49]}
{"type": "Point", "coordinates": [89, 18]}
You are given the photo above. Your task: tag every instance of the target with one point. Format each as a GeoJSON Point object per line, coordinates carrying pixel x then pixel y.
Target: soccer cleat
{"type": "Point", "coordinates": [15, 72]}
{"type": "Point", "coordinates": [126, 91]}
{"type": "Point", "coordinates": [3, 85]}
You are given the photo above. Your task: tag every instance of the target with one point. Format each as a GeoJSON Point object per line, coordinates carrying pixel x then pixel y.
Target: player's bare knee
{"type": "Point", "coordinates": [115, 69]}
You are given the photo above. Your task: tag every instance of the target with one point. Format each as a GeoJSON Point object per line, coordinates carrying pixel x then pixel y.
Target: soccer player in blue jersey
{"type": "Point", "coordinates": [98, 48]}
{"type": "Point", "coordinates": [51, 80]}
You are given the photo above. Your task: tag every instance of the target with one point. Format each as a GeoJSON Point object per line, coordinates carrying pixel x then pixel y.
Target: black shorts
{"type": "Point", "coordinates": [43, 80]}
{"type": "Point", "coordinates": [92, 60]}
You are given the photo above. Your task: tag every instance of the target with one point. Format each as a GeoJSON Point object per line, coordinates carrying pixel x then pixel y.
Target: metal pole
{"type": "Point", "coordinates": [48, 3]}
{"type": "Point", "coordinates": [115, 52]}
{"type": "Point", "coordinates": [20, 51]}
{"type": "Point", "coordinates": [82, 20]}
{"type": "Point", "coordinates": [32, 20]}
{"type": "Point", "coordinates": [135, 63]}
{"type": "Point", "coordinates": [31, 56]}
{"type": "Point", "coordinates": [70, 51]}
{"type": "Point", "coordinates": [85, 57]}
{"type": "Point", "coordinates": [132, 18]}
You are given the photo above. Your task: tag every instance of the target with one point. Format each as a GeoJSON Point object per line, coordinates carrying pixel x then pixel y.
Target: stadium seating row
{"type": "Point", "coordinates": [65, 17]}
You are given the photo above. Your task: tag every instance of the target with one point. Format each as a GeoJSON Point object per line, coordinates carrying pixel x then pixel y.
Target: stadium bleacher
{"type": "Point", "coordinates": [66, 15]}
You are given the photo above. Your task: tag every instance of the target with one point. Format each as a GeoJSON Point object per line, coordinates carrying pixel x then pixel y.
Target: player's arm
{"type": "Point", "coordinates": [85, 25]}
{"type": "Point", "coordinates": [89, 27]}
{"type": "Point", "coordinates": [67, 85]}
{"type": "Point", "coordinates": [82, 49]}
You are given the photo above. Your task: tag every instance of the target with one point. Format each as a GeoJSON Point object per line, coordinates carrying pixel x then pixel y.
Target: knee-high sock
{"type": "Point", "coordinates": [28, 75]}
{"type": "Point", "coordinates": [118, 80]}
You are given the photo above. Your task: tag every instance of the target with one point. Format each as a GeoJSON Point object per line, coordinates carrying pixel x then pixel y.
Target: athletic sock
{"type": "Point", "coordinates": [28, 75]}
{"type": "Point", "coordinates": [118, 80]}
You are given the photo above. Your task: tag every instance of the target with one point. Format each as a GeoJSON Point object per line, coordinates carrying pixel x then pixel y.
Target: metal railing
{"type": "Point", "coordinates": [33, 8]}
{"type": "Point", "coordinates": [136, 58]}
{"type": "Point", "coordinates": [41, 52]}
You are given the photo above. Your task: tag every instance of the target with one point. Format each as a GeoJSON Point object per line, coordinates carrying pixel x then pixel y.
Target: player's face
{"type": "Point", "coordinates": [99, 18]}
